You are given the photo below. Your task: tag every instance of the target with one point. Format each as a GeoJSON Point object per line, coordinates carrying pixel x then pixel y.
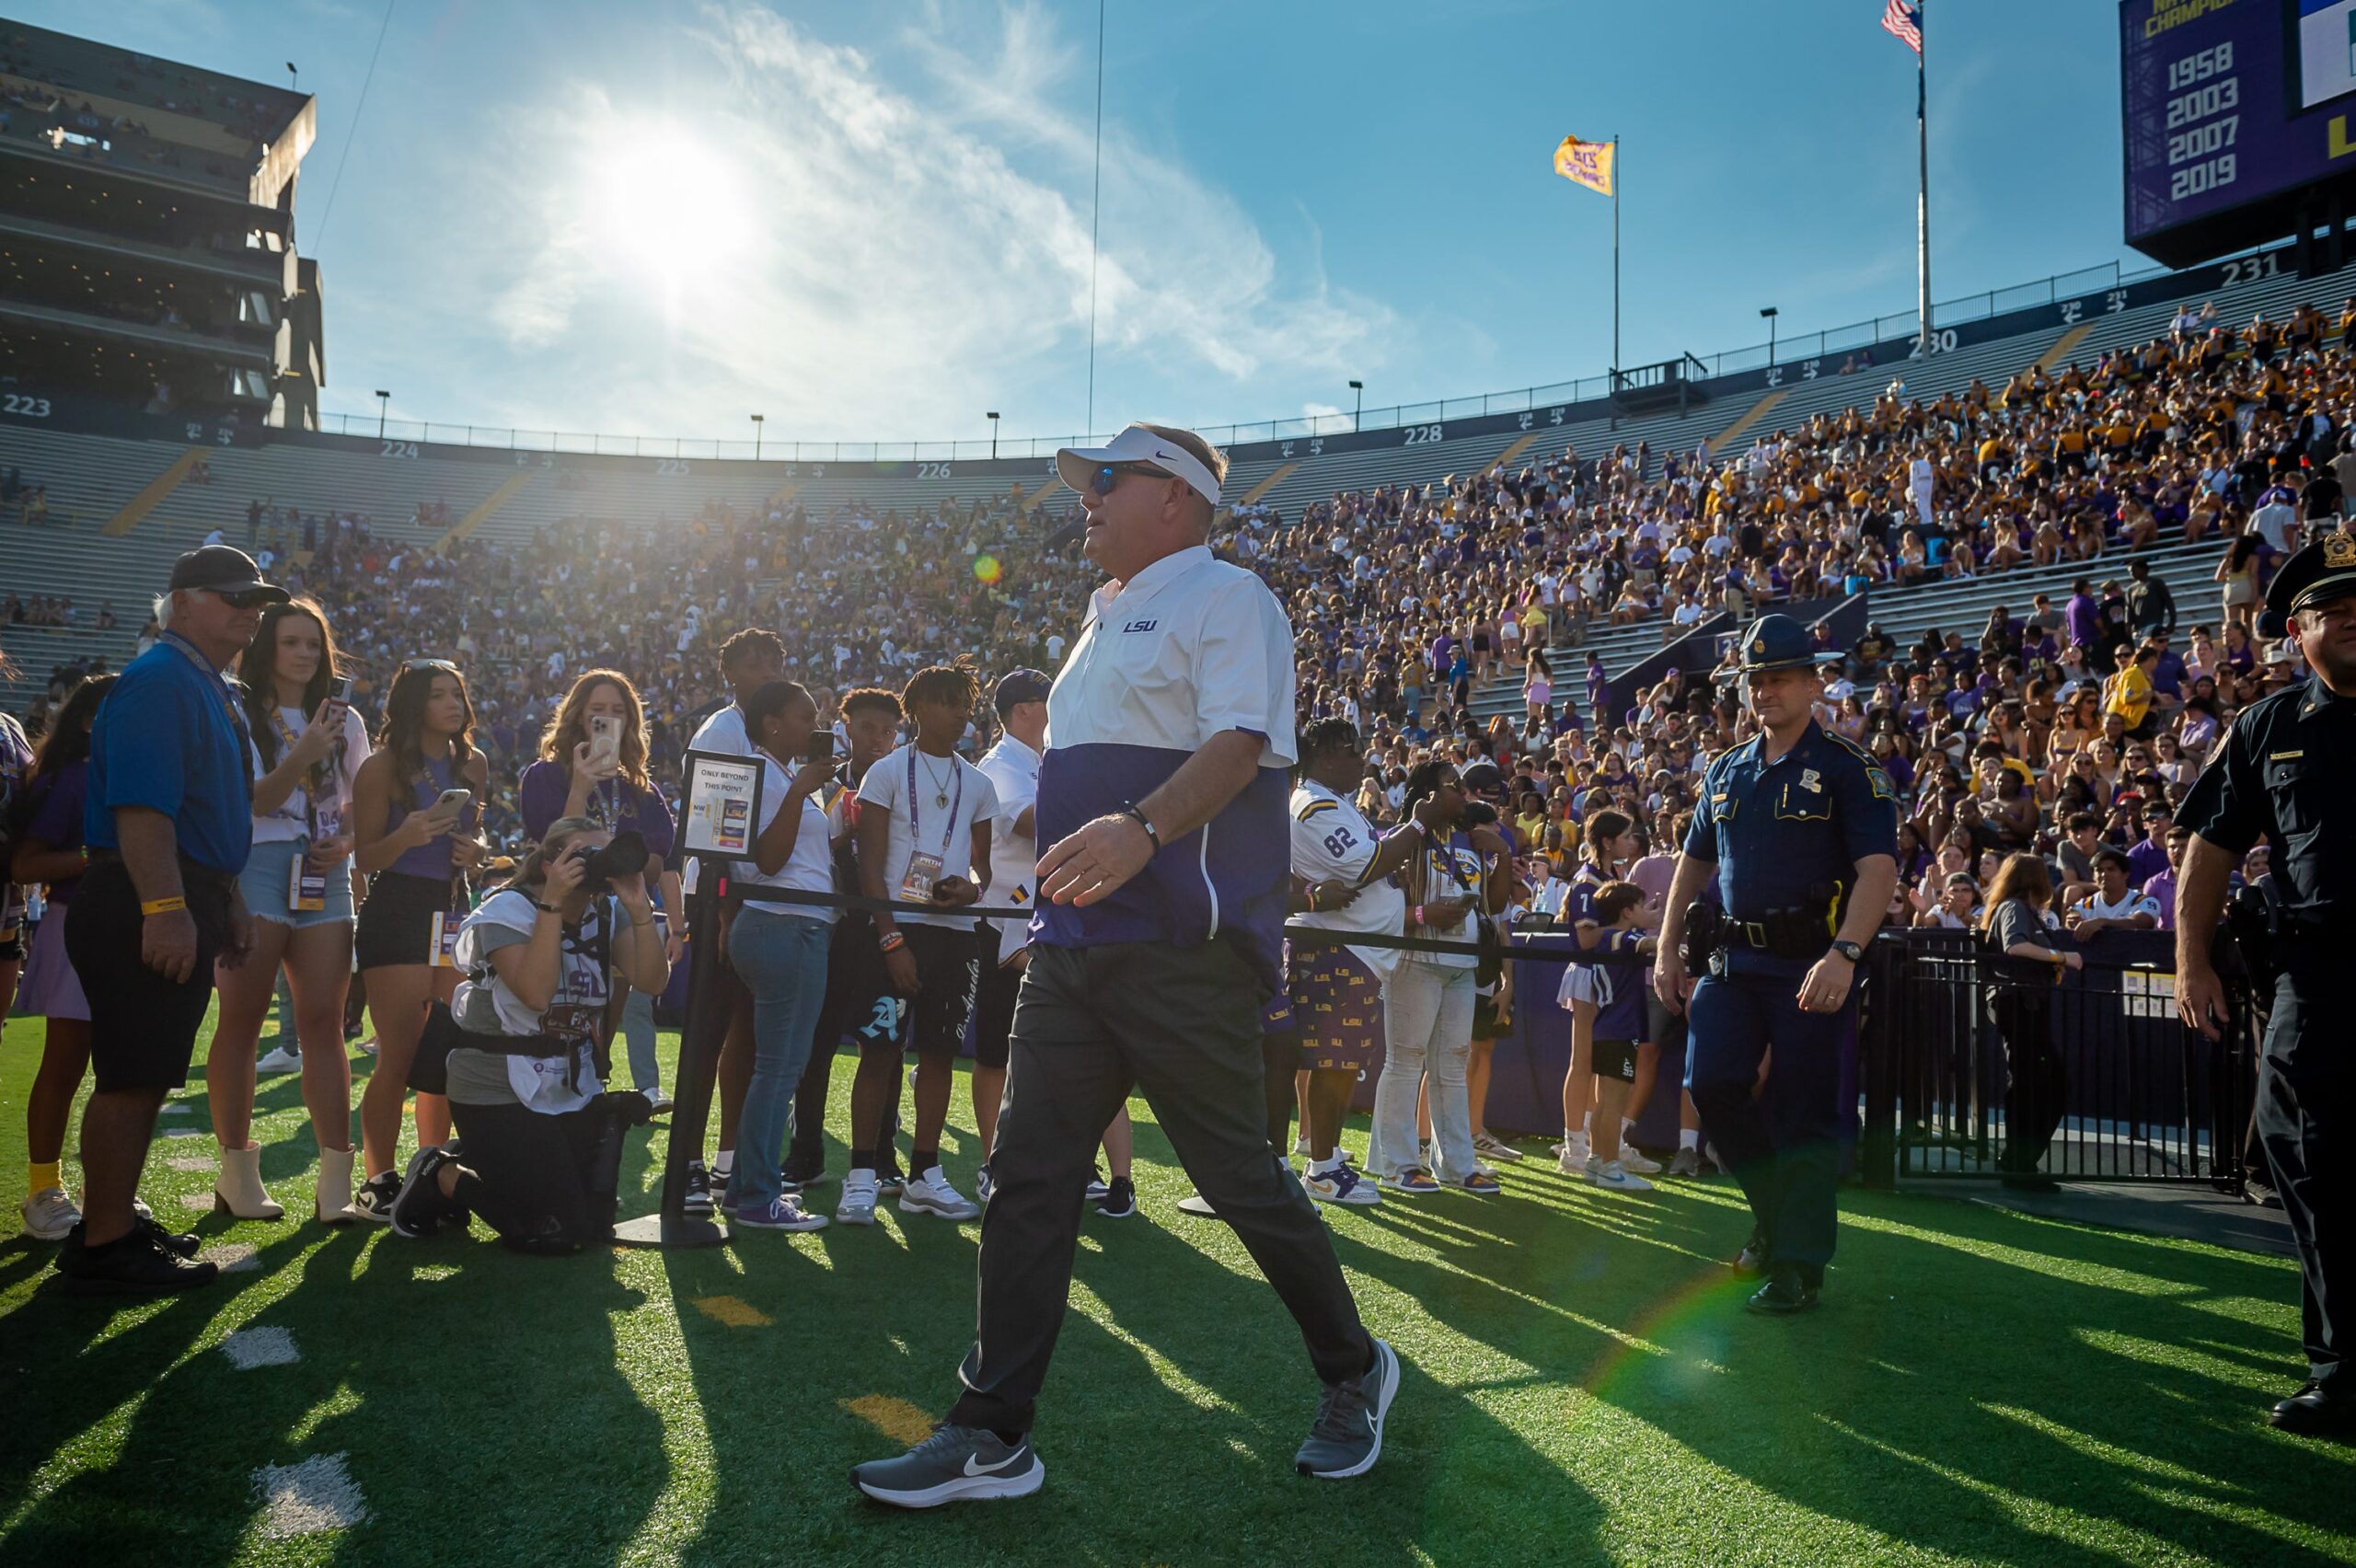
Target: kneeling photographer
{"type": "Point", "coordinates": [517, 1048]}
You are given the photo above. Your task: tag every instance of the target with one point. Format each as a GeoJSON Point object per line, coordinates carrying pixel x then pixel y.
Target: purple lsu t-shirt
{"type": "Point", "coordinates": [57, 818]}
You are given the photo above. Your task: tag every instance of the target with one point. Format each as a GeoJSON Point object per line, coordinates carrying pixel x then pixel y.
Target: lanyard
{"type": "Point", "coordinates": [916, 818]}
{"type": "Point", "coordinates": [228, 697]}
{"type": "Point", "coordinates": [321, 773]}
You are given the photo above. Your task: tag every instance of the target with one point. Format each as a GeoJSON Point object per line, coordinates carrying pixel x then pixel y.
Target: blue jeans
{"type": "Point", "coordinates": [637, 1032]}
{"type": "Point", "coordinates": [783, 961]}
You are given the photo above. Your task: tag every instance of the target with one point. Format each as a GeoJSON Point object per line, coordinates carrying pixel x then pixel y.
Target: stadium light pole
{"type": "Point", "coordinates": [1358, 387]}
{"type": "Point", "coordinates": [992, 417]}
{"type": "Point", "coordinates": [383, 398]}
{"type": "Point", "coordinates": [293, 81]}
{"type": "Point", "coordinates": [1769, 312]}
{"type": "Point", "coordinates": [758, 420]}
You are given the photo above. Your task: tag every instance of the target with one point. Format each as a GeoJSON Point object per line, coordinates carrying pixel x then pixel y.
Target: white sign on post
{"type": "Point", "coordinates": [723, 797]}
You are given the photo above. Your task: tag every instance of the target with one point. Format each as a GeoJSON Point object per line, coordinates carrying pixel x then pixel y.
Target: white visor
{"type": "Point", "coordinates": [1076, 466]}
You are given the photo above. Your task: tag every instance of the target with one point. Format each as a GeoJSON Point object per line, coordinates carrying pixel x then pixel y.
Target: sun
{"type": "Point", "coordinates": [664, 206]}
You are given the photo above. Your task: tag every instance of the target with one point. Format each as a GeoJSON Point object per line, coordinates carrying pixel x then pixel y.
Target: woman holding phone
{"type": "Point", "coordinates": [779, 948]}
{"type": "Point", "coordinates": [416, 804]}
{"type": "Point", "coordinates": [306, 748]}
{"type": "Point", "coordinates": [593, 764]}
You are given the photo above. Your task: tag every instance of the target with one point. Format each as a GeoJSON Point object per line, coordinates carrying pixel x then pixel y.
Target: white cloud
{"type": "Point", "coordinates": [1318, 410]}
{"type": "Point", "coordinates": [899, 252]}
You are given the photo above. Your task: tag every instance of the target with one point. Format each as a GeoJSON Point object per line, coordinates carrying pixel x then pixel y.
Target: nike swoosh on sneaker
{"type": "Point", "coordinates": [973, 1468]}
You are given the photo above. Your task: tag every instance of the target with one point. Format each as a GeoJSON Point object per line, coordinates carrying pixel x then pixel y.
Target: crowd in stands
{"type": "Point", "coordinates": [2070, 734]}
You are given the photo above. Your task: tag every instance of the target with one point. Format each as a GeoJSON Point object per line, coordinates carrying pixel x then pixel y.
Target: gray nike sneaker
{"type": "Point", "coordinates": [1346, 1437]}
{"type": "Point", "coordinates": [954, 1465]}
{"type": "Point", "coordinates": [1687, 1163]}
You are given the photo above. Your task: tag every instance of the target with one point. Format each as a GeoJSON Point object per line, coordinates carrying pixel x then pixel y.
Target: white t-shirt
{"type": "Point", "coordinates": [564, 1080]}
{"type": "Point", "coordinates": [920, 823]}
{"type": "Point", "coordinates": [1331, 841]}
{"type": "Point", "coordinates": [2127, 908]}
{"type": "Point", "coordinates": [811, 867]}
{"type": "Point", "coordinates": [291, 820]}
{"type": "Point", "coordinates": [1013, 770]}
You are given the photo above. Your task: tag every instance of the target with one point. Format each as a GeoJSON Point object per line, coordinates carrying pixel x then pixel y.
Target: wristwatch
{"type": "Point", "coordinates": [1850, 950]}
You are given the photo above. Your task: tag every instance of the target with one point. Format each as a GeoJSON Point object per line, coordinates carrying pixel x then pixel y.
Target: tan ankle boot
{"type": "Point", "coordinates": [332, 1197]}
{"type": "Point", "coordinates": [238, 1189]}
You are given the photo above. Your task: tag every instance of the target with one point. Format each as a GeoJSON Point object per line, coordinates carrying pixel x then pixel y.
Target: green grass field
{"type": "Point", "coordinates": [1581, 1387]}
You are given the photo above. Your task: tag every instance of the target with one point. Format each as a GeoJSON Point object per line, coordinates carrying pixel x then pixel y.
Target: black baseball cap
{"type": "Point", "coordinates": [1481, 778]}
{"type": "Point", "coordinates": [1024, 685]}
{"type": "Point", "coordinates": [225, 568]}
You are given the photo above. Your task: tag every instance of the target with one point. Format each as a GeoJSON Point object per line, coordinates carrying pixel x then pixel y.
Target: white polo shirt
{"type": "Point", "coordinates": [1190, 648]}
{"type": "Point", "coordinates": [1013, 769]}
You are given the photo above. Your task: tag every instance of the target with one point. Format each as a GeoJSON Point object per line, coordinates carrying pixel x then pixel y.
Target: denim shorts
{"type": "Point", "coordinates": [269, 879]}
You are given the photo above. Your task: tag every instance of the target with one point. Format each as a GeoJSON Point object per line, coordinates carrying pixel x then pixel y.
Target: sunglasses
{"type": "Point", "coordinates": [244, 598]}
{"type": "Point", "coordinates": [436, 667]}
{"type": "Point", "coordinates": [1110, 475]}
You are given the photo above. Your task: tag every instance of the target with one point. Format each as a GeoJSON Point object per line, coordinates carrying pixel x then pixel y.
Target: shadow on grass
{"type": "Point", "coordinates": [1961, 1382]}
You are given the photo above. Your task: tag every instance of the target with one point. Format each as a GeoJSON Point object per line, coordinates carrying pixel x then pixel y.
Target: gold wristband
{"type": "Point", "coordinates": [163, 905]}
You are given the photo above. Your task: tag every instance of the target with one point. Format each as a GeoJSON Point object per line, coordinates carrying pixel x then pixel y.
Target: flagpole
{"type": "Point", "coordinates": [1616, 262]}
{"type": "Point", "coordinates": [1923, 186]}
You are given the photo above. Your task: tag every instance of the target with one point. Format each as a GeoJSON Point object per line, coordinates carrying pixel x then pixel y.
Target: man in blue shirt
{"type": "Point", "coordinates": [168, 826]}
{"type": "Point", "coordinates": [1799, 827]}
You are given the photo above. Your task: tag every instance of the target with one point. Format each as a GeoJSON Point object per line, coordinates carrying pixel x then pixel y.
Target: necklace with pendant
{"type": "Point", "coordinates": [940, 787]}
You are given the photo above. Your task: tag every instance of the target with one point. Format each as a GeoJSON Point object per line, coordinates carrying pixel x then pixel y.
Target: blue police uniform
{"type": "Point", "coordinates": [1786, 836]}
{"type": "Point", "coordinates": [2280, 773]}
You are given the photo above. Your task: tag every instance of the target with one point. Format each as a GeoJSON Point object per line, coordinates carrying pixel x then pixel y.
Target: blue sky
{"type": "Point", "coordinates": [870, 220]}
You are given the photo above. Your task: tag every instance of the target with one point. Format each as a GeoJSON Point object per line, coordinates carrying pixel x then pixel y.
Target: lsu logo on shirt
{"type": "Point", "coordinates": [1142, 626]}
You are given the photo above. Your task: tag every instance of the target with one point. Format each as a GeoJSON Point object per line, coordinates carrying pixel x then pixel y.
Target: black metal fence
{"type": "Point", "coordinates": [1976, 1066]}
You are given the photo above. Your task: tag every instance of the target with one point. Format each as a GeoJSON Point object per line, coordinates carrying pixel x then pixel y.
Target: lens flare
{"type": "Point", "coordinates": [987, 567]}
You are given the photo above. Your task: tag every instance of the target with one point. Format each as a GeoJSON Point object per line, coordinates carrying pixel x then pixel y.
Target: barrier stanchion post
{"type": "Point", "coordinates": [721, 802]}
{"type": "Point", "coordinates": [700, 1034]}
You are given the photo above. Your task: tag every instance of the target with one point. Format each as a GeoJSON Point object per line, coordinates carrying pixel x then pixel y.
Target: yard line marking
{"type": "Point", "coordinates": [308, 1497]}
{"type": "Point", "coordinates": [191, 1162]}
{"type": "Point", "coordinates": [250, 1348]}
{"type": "Point", "coordinates": [183, 1132]}
{"type": "Point", "coordinates": [231, 1257]}
{"type": "Point", "coordinates": [896, 1418]}
{"type": "Point", "coordinates": [199, 1201]}
{"type": "Point", "coordinates": [174, 1109]}
{"type": "Point", "coordinates": [735, 1313]}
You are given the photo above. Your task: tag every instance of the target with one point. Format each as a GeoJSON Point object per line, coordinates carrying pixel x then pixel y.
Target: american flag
{"type": "Point", "coordinates": [1903, 20]}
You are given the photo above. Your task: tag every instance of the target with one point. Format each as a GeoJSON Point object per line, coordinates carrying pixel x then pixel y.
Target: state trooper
{"type": "Point", "coordinates": [2280, 772]}
{"type": "Point", "coordinates": [1799, 827]}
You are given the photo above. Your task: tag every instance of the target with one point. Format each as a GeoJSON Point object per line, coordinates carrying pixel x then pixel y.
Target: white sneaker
{"type": "Point", "coordinates": [931, 1193]}
{"type": "Point", "coordinates": [1490, 1146]}
{"type": "Point", "coordinates": [658, 1103]}
{"type": "Point", "coordinates": [858, 1205]}
{"type": "Point", "coordinates": [279, 1060]}
{"type": "Point", "coordinates": [49, 1214]}
{"type": "Point", "coordinates": [1572, 1157]}
{"type": "Point", "coordinates": [1340, 1185]}
{"type": "Point", "coordinates": [1300, 1146]}
{"type": "Point", "coordinates": [1642, 1165]}
{"type": "Point", "coordinates": [1613, 1177]}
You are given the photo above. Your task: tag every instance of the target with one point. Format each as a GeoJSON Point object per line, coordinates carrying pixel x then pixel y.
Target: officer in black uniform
{"type": "Point", "coordinates": [2278, 772]}
{"type": "Point", "coordinates": [1799, 827]}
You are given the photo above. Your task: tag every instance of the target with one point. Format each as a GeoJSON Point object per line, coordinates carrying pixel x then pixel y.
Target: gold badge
{"type": "Point", "coordinates": [2338, 550]}
{"type": "Point", "coordinates": [1759, 645]}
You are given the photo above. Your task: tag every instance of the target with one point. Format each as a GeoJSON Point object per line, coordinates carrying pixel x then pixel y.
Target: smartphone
{"type": "Point", "coordinates": [605, 740]}
{"type": "Point", "coordinates": [452, 802]}
{"type": "Point", "coordinates": [340, 693]}
{"type": "Point", "coordinates": [821, 747]}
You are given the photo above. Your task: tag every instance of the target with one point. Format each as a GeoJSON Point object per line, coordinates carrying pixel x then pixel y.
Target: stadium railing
{"type": "Point", "coordinates": [2146, 1098]}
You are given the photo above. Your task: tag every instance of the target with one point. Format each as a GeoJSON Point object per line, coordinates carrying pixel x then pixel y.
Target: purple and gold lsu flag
{"type": "Point", "coordinates": [1585, 163]}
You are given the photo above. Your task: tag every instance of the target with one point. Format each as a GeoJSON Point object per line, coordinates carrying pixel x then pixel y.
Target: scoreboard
{"type": "Point", "coordinates": [2238, 117]}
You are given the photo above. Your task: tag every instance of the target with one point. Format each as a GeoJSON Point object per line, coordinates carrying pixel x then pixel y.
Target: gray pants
{"type": "Point", "coordinates": [1182, 1026]}
{"type": "Point", "coordinates": [638, 1034]}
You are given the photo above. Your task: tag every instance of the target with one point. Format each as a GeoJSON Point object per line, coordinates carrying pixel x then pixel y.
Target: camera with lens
{"type": "Point", "coordinates": [624, 856]}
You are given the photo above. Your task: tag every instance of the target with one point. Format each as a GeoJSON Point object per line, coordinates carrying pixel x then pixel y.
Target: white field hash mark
{"type": "Point", "coordinates": [250, 1348]}
{"type": "Point", "coordinates": [308, 1497]}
